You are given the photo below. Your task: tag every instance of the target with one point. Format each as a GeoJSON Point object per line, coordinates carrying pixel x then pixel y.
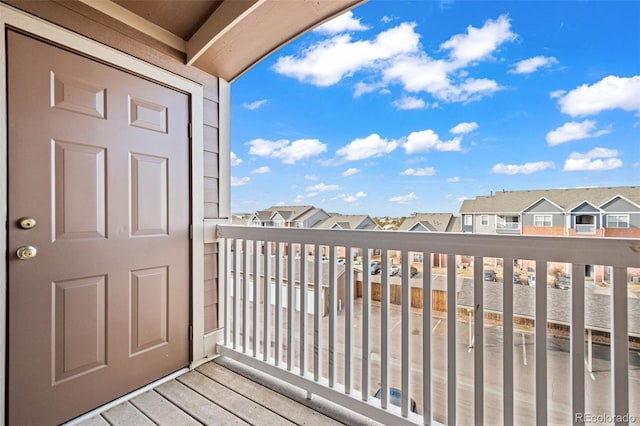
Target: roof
{"type": "Point", "coordinates": [568, 199]}
{"type": "Point", "coordinates": [433, 222]}
{"type": "Point", "coordinates": [346, 221]}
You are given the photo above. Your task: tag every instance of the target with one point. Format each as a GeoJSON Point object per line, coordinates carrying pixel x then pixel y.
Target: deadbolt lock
{"type": "Point", "coordinates": [27, 223]}
{"type": "Point", "coordinates": [26, 252]}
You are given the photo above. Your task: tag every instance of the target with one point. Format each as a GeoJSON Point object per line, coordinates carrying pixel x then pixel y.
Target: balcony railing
{"type": "Point", "coordinates": [586, 229]}
{"type": "Point", "coordinates": [458, 351]}
{"type": "Point", "coordinates": [508, 227]}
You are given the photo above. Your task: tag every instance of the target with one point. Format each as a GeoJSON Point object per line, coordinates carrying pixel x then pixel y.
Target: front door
{"type": "Point", "coordinates": [98, 292]}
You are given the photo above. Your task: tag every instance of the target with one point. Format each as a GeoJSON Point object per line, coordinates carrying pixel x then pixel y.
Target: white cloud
{"type": "Point", "coordinates": [311, 177]}
{"type": "Point", "coordinates": [426, 171]}
{"type": "Point", "coordinates": [371, 146]}
{"type": "Point", "coordinates": [386, 19]}
{"type": "Point", "coordinates": [479, 43]}
{"type": "Point", "coordinates": [235, 161]}
{"type": "Point", "coordinates": [525, 169]}
{"type": "Point", "coordinates": [352, 198]}
{"type": "Point", "coordinates": [261, 170]}
{"type": "Point", "coordinates": [409, 102]}
{"type": "Point", "coordinates": [574, 131]}
{"type": "Point", "coordinates": [464, 128]}
{"type": "Point", "coordinates": [328, 61]}
{"type": "Point", "coordinates": [321, 187]}
{"type": "Point", "coordinates": [611, 92]}
{"type": "Point", "coordinates": [598, 159]}
{"type": "Point", "coordinates": [341, 23]}
{"type": "Point", "coordinates": [236, 181]}
{"type": "Point", "coordinates": [404, 199]}
{"type": "Point", "coordinates": [288, 152]}
{"type": "Point", "coordinates": [350, 172]}
{"type": "Point", "coordinates": [528, 66]}
{"type": "Point", "coordinates": [557, 94]}
{"type": "Point", "coordinates": [454, 179]}
{"type": "Point", "coordinates": [255, 105]}
{"type": "Point", "coordinates": [428, 140]}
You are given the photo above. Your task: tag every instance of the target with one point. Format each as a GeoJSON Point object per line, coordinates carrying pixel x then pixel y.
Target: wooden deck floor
{"type": "Point", "coordinates": [221, 392]}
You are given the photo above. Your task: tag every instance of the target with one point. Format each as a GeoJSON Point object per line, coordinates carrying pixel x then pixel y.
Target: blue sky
{"type": "Point", "coordinates": [399, 107]}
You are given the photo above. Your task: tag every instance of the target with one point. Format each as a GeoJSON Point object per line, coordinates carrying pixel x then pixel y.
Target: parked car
{"type": "Point", "coordinates": [562, 282]}
{"type": "Point", "coordinates": [489, 275]}
{"type": "Point", "coordinates": [341, 261]}
{"type": "Point", "coordinates": [375, 267]}
{"type": "Point", "coordinates": [517, 279]}
{"type": "Point", "coordinates": [394, 270]}
{"type": "Point", "coordinates": [414, 271]}
{"type": "Point", "coordinates": [395, 397]}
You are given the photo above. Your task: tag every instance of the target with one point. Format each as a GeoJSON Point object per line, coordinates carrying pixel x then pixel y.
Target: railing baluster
{"type": "Point", "coordinates": [333, 292]}
{"type": "Point", "coordinates": [478, 339]}
{"type": "Point", "coordinates": [318, 314]}
{"type": "Point", "coordinates": [577, 342]}
{"type": "Point", "coordinates": [405, 330]}
{"type": "Point", "coordinates": [291, 306]}
{"type": "Point", "coordinates": [384, 331]}
{"type": "Point", "coordinates": [366, 320]}
{"type": "Point", "coordinates": [427, 315]}
{"type": "Point", "coordinates": [304, 284]}
{"type": "Point", "coordinates": [507, 329]}
{"type": "Point", "coordinates": [226, 275]}
{"type": "Point", "coordinates": [452, 317]}
{"type": "Point", "coordinates": [348, 319]}
{"type": "Point", "coordinates": [236, 294]}
{"type": "Point", "coordinates": [541, 343]}
{"type": "Point", "coordinates": [266, 283]}
{"type": "Point", "coordinates": [246, 274]}
{"type": "Point", "coordinates": [620, 344]}
{"type": "Point", "coordinates": [278, 294]}
{"type": "Point", "coordinates": [256, 296]}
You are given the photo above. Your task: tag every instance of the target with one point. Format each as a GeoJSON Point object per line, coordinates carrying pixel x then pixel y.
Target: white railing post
{"type": "Point", "coordinates": [452, 317]}
{"type": "Point", "coordinates": [577, 343]}
{"type": "Point", "coordinates": [236, 294]}
{"type": "Point", "coordinates": [256, 296]}
{"type": "Point", "coordinates": [478, 339]}
{"type": "Point", "coordinates": [246, 274]}
{"type": "Point", "coordinates": [291, 306]}
{"type": "Point", "coordinates": [333, 302]}
{"type": "Point", "coordinates": [620, 345]}
{"type": "Point", "coordinates": [507, 324]}
{"type": "Point", "coordinates": [384, 331]}
{"type": "Point", "coordinates": [226, 284]}
{"type": "Point", "coordinates": [304, 286]}
{"type": "Point", "coordinates": [318, 314]}
{"type": "Point", "coordinates": [278, 307]}
{"type": "Point", "coordinates": [541, 343]}
{"type": "Point", "coordinates": [366, 323]}
{"type": "Point", "coordinates": [266, 283]}
{"type": "Point", "coordinates": [348, 319]}
{"type": "Point", "coordinates": [405, 331]}
{"type": "Point", "coordinates": [427, 315]}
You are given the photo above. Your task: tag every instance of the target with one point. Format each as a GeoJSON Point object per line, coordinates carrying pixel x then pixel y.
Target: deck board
{"type": "Point", "coordinates": [161, 411]}
{"type": "Point", "coordinates": [126, 414]}
{"type": "Point", "coordinates": [199, 407]}
{"type": "Point", "coordinates": [294, 411]}
{"type": "Point", "coordinates": [236, 403]}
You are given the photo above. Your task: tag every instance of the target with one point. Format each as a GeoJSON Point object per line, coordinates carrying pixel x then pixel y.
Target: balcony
{"type": "Point", "coordinates": [465, 352]}
{"type": "Point", "coordinates": [585, 229]}
{"type": "Point", "coordinates": [508, 228]}
{"type": "Point", "coordinates": [454, 372]}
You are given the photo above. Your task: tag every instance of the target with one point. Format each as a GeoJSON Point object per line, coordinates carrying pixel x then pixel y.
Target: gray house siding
{"type": "Point", "coordinates": [557, 219]}
{"type": "Point", "coordinates": [620, 205]}
{"type": "Point", "coordinates": [467, 228]}
{"type": "Point", "coordinates": [320, 215]}
{"type": "Point", "coordinates": [544, 206]}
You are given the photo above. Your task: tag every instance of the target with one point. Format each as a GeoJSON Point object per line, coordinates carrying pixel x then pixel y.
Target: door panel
{"type": "Point", "coordinates": [100, 159]}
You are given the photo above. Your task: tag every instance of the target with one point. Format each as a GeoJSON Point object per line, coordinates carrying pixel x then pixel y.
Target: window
{"type": "Point", "coordinates": [484, 220]}
{"type": "Point", "coordinates": [468, 220]}
{"type": "Point", "coordinates": [542, 220]}
{"type": "Point", "coordinates": [618, 221]}
{"type": "Point", "coordinates": [417, 257]}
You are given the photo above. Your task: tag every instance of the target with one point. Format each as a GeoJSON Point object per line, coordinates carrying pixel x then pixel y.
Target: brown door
{"type": "Point", "coordinates": [99, 158]}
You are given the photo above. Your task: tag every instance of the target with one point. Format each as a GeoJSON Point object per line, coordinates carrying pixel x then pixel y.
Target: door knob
{"type": "Point", "coordinates": [26, 252]}
{"type": "Point", "coordinates": [27, 223]}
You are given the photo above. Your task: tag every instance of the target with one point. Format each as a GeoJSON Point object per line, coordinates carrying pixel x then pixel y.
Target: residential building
{"type": "Point", "coordinates": [288, 217]}
{"type": "Point", "coordinates": [347, 221]}
{"type": "Point", "coordinates": [431, 222]}
{"type": "Point", "coordinates": [593, 212]}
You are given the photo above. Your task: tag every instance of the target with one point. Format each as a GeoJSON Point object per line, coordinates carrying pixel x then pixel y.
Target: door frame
{"type": "Point", "coordinates": [13, 18]}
